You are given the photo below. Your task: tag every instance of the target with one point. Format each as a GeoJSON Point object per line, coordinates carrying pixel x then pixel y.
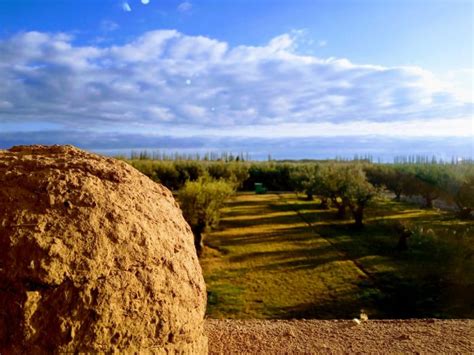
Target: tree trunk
{"type": "Point", "coordinates": [403, 240]}
{"type": "Point", "coordinates": [464, 212]}
{"type": "Point", "coordinates": [358, 214]}
{"type": "Point", "coordinates": [398, 195]}
{"type": "Point", "coordinates": [198, 238]}
{"type": "Point", "coordinates": [324, 205]}
{"type": "Point", "coordinates": [428, 202]}
{"type": "Point", "coordinates": [341, 211]}
{"type": "Point", "coordinates": [429, 198]}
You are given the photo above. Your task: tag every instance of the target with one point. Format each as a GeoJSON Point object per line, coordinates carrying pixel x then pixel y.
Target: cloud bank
{"type": "Point", "coordinates": [166, 82]}
{"type": "Point", "coordinates": [258, 148]}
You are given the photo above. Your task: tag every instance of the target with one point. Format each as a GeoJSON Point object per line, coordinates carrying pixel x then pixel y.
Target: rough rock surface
{"type": "Point", "coordinates": [398, 336]}
{"type": "Point", "coordinates": [94, 257]}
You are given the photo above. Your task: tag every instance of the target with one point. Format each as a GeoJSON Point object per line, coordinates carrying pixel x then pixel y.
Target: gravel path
{"type": "Point", "coordinates": [336, 336]}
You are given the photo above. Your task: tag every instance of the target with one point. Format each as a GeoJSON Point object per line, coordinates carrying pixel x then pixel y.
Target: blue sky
{"type": "Point", "coordinates": [250, 73]}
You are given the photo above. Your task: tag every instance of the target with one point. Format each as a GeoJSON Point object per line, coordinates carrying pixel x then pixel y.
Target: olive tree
{"type": "Point", "coordinates": [347, 187]}
{"type": "Point", "coordinates": [332, 185]}
{"type": "Point", "coordinates": [305, 179]}
{"type": "Point", "coordinates": [460, 190]}
{"type": "Point", "coordinates": [201, 202]}
{"type": "Point", "coordinates": [357, 192]}
{"type": "Point", "coordinates": [390, 177]}
{"type": "Point", "coordinates": [426, 181]}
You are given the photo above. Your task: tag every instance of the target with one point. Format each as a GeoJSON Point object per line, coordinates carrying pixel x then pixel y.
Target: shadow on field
{"type": "Point", "coordinates": [307, 205]}
{"type": "Point", "coordinates": [290, 234]}
{"type": "Point", "coordinates": [400, 299]}
{"type": "Point", "coordinates": [267, 238]}
{"type": "Point", "coordinates": [345, 306]}
{"type": "Point", "coordinates": [298, 259]}
{"type": "Point", "coordinates": [247, 204]}
{"type": "Point", "coordinates": [259, 221]}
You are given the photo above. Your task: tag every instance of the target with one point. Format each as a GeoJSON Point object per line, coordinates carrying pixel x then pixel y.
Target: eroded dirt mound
{"type": "Point", "coordinates": [94, 256]}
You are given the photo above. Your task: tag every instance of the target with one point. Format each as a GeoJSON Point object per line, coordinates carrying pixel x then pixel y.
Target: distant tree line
{"type": "Point", "coordinates": [208, 156]}
{"type": "Point", "coordinates": [231, 156]}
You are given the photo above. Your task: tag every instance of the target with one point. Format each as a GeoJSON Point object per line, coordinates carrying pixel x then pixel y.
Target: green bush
{"type": "Point", "coordinates": [201, 201]}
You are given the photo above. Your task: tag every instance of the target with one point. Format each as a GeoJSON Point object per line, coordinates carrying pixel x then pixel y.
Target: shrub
{"type": "Point", "coordinates": [201, 202]}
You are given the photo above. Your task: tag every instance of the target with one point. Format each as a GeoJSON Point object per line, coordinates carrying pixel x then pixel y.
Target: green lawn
{"type": "Point", "coordinates": [277, 256]}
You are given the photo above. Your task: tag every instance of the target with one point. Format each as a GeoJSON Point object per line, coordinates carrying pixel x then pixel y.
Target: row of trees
{"type": "Point", "coordinates": [453, 184]}
{"type": "Point", "coordinates": [348, 187]}
{"type": "Point", "coordinates": [176, 156]}
{"type": "Point", "coordinates": [175, 174]}
{"type": "Point", "coordinates": [344, 186]}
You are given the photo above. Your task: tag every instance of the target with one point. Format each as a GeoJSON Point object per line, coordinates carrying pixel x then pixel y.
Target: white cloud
{"type": "Point", "coordinates": [461, 82]}
{"type": "Point", "coordinates": [160, 113]}
{"type": "Point", "coordinates": [165, 80]}
{"type": "Point", "coordinates": [185, 6]}
{"type": "Point", "coordinates": [322, 43]}
{"type": "Point", "coordinates": [460, 127]}
{"type": "Point", "coordinates": [126, 7]}
{"type": "Point", "coordinates": [145, 2]}
{"type": "Point", "coordinates": [108, 26]}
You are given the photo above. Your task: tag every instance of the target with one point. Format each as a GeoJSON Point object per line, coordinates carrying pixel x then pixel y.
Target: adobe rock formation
{"type": "Point", "coordinates": [94, 257]}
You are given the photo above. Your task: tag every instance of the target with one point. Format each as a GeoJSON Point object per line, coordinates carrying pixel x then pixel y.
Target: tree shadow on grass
{"type": "Point", "coordinates": [298, 259]}
{"type": "Point", "coordinates": [401, 299]}
{"type": "Point", "coordinates": [293, 207]}
{"type": "Point", "coordinates": [346, 305]}
{"type": "Point", "coordinates": [297, 234]}
{"type": "Point", "coordinates": [405, 292]}
{"type": "Point", "coordinates": [260, 221]}
{"type": "Point", "coordinates": [247, 203]}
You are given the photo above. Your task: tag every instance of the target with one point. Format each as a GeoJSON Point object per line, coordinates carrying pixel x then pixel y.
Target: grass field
{"type": "Point", "coordinates": [278, 256]}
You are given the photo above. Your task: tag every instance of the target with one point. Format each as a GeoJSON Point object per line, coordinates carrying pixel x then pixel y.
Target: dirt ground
{"type": "Point", "coordinates": [336, 336]}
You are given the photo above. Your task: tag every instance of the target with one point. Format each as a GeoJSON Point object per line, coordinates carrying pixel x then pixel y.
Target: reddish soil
{"type": "Point", "coordinates": [340, 336]}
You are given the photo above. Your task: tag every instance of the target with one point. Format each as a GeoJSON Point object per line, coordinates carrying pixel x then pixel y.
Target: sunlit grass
{"type": "Point", "coordinates": [267, 262]}
{"type": "Point", "coordinates": [276, 262]}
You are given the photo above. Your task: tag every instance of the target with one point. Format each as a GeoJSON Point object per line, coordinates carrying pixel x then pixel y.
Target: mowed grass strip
{"type": "Point", "coordinates": [265, 262]}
